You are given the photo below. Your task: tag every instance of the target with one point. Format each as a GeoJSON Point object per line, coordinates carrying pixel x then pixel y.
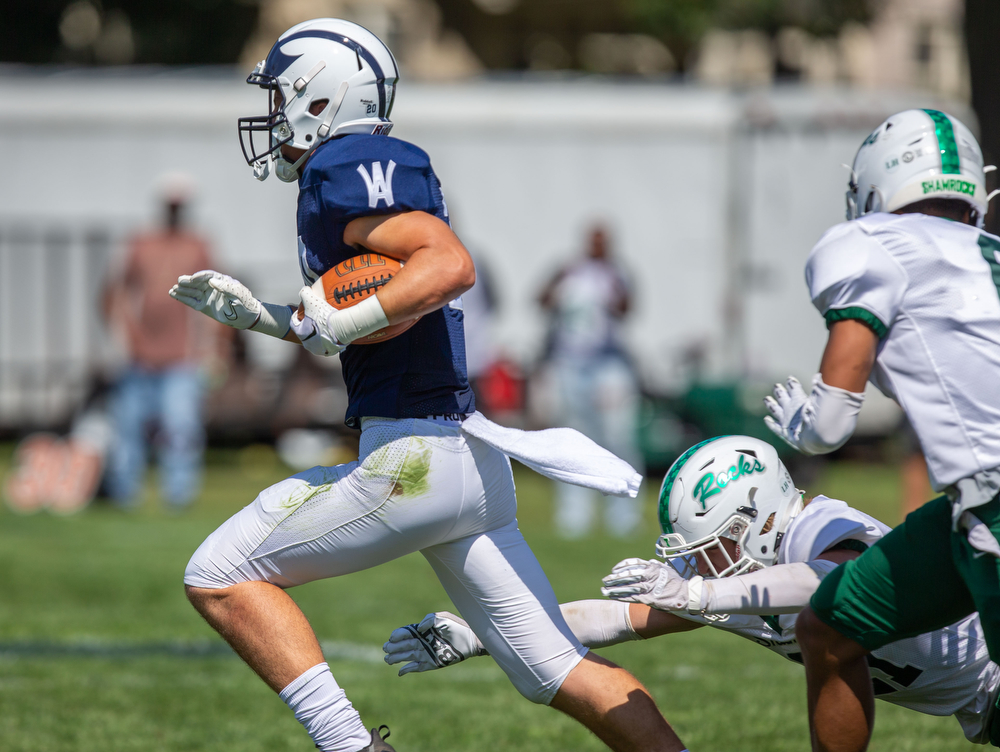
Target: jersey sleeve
{"type": "Point", "coordinates": [824, 523]}
{"type": "Point", "coordinates": [383, 181]}
{"type": "Point", "coordinates": [851, 276]}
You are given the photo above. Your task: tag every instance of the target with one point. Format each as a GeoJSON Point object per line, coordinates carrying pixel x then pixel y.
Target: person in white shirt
{"type": "Point", "coordinates": [596, 389]}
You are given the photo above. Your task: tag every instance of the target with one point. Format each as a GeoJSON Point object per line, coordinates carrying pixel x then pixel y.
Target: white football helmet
{"type": "Point", "coordinates": [728, 487]}
{"type": "Point", "coordinates": [916, 155]}
{"type": "Point", "coordinates": [325, 58]}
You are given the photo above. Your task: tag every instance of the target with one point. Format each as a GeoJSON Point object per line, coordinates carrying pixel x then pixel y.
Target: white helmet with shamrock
{"type": "Point", "coordinates": [917, 155]}
{"type": "Point", "coordinates": [728, 487]}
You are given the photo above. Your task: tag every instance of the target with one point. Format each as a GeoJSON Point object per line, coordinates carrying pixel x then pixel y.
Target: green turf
{"type": "Point", "coordinates": [110, 583]}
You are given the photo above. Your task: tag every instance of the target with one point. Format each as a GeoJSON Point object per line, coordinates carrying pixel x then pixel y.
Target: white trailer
{"type": "Point", "coordinates": [713, 199]}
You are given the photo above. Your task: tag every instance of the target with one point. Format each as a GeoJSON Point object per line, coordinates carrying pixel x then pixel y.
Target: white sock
{"type": "Point", "coordinates": [322, 707]}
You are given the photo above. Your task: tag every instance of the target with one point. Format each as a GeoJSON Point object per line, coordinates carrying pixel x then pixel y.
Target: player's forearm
{"type": "Point", "coordinates": [436, 269]}
{"type": "Point", "coordinates": [781, 589]}
{"type": "Point", "coordinates": [431, 278]}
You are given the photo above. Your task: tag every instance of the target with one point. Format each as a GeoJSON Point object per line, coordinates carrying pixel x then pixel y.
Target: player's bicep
{"type": "Point", "coordinates": [401, 235]}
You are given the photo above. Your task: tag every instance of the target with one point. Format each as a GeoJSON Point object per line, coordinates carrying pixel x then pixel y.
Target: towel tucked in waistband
{"type": "Point", "coordinates": [562, 454]}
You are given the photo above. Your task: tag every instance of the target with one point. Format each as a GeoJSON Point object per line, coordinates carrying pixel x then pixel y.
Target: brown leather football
{"type": "Point", "coordinates": [353, 280]}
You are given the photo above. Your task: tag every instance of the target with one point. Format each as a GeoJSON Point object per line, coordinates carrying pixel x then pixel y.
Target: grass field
{"type": "Point", "coordinates": [99, 650]}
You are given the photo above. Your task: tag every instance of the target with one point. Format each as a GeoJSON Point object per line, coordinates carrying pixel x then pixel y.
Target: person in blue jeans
{"type": "Point", "coordinates": [164, 383]}
{"type": "Point", "coordinates": [173, 399]}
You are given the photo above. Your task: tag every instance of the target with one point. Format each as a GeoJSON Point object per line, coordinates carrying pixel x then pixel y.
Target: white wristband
{"type": "Point", "coordinates": [829, 417]}
{"type": "Point", "coordinates": [274, 320]}
{"type": "Point", "coordinates": [695, 588]}
{"type": "Point", "coordinates": [349, 324]}
{"type": "Point", "coordinates": [598, 623]}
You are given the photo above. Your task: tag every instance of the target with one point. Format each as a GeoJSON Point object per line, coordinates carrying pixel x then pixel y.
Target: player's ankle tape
{"type": "Point", "coordinates": [275, 320]}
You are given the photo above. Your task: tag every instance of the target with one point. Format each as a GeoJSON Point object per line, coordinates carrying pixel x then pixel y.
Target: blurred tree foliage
{"type": "Point", "coordinates": [680, 24]}
{"type": "Point", "coordinates": [171, 32]}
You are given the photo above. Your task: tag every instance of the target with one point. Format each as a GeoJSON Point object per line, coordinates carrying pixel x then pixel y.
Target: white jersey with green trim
{"type": "Point", "coordinates": [947, 672]}
{"type": "Point", "coordinates": [930, 288]}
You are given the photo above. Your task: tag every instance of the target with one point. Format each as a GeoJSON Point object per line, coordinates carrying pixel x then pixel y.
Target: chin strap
{"type": "Point", "coordinates": [288, 172]}
{"type": "Point", "coordinates": [332, 109]}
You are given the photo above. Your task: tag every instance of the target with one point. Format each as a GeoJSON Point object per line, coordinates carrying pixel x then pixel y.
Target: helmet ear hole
{"type": "Point", "coordinates": [870, 203]}
{"type": "Point", "coordinates": [768, 524]}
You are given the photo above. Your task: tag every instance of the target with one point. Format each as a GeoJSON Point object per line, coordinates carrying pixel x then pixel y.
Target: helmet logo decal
{"type": "Point", "coordinates": [711, 483]}
{"type": "Point", "coordinates": [277, 62]}
{"type": "Point", "coordinates": [951, 184]}
{"type": "Point", "coordinates": [946, 142]}
{"type": "Point", "coordinates": [705, 488]}
{"type": "Point", "coordinates": [359, 49]}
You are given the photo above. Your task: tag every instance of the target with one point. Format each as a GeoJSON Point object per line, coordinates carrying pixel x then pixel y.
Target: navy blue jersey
{"type": "Point", "coordinates": [422, 371]}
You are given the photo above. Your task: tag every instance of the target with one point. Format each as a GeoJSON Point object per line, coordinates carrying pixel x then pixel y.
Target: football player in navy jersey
{"type": "Point", "coordinates": [421, 483]}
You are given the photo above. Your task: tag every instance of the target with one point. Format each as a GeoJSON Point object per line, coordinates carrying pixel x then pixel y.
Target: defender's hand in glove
{"type": "Point", "coordinates": [652, 582]}
{"type": "Point", "coordinates": [787, 410]}
{"type": "Point", "coordinates": [441, 639]}
{"type": "Point", "coordinates": [230, 302]}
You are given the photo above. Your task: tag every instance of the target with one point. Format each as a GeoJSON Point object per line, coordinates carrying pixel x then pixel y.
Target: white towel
{"type": "Point", "coordinates": [561, 454]}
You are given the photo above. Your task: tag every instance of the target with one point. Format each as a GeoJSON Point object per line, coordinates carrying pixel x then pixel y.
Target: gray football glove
{"type": "Point", "coordinates": [441, 639]}
{"type": "Point", "coordinates": [652, 582]}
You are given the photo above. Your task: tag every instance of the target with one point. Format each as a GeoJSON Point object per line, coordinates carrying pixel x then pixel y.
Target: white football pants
{"type": "Point", "coordinates": [419, 485]}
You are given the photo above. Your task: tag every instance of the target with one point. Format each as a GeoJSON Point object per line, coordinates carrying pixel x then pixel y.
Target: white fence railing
{"type": "Point", "coordinates": [52, 339]}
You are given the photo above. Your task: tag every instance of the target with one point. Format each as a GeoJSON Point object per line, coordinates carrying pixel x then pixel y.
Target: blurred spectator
{"type": "Point", "coordinates": [480, 307]}
{"type": "Point", "coordinates": [168, 345]}
{"type": "Point", "coordinates": [495, 378]}
{"type": "Point", "coordinates": [595, 389]}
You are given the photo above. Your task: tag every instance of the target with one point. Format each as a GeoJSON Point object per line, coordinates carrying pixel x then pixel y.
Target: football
{"type": "Point", "coordinates": [353, 280]}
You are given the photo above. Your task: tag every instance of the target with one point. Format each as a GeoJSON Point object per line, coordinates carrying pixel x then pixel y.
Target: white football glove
{"type": "Point", "coordinates": [225, 299]}
{"type": "Point", "coordinates": [787, 408]}
{"type": "Point", "coordinates": [314, 330]}
{"type": "Point", "coordinates": [309, 335]}
{"type": "Point", "coordinates": [441, 639]}
{"type": "Point", "coordinates": [230, 302]}
{"type": "Point", "coordinates": [817, 423]}
{"type": "Point", "coordinates": [652, 582]}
